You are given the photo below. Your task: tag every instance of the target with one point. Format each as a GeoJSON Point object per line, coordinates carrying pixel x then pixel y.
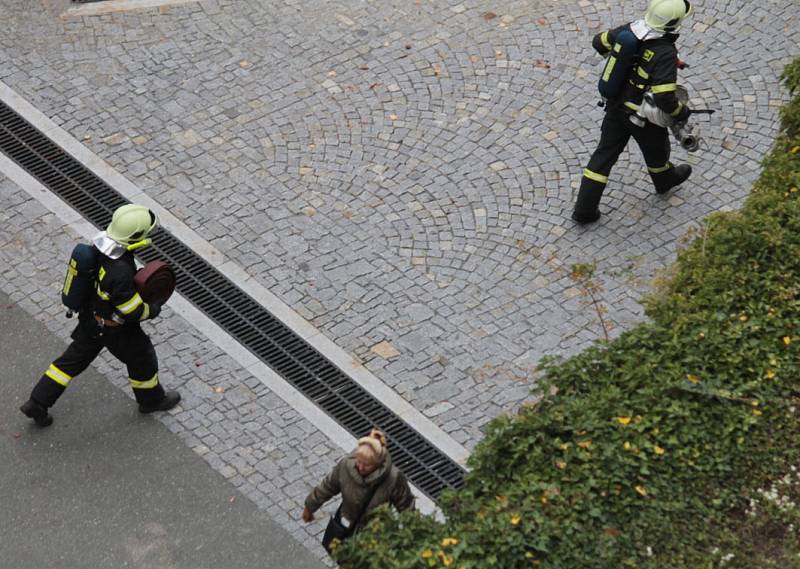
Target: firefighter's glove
{"type": "Point", "coordinates": [155, 310]}
{"type": "Point", "coordinates": [683, 115]}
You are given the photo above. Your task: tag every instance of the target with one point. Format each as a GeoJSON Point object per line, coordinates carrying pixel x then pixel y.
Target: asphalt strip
{"type": "Point", "coordinates": [105, 486]}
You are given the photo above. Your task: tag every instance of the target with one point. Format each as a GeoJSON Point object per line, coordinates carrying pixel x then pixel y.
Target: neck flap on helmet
{"type": "Point", "coordinates": [644, 32]}
{"type": "Point", "coordinates": [108, 246]}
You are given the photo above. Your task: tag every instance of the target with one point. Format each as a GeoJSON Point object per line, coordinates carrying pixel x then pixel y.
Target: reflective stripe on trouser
{"type": "Point", "coordinates": [127, 343]}
{"type": "Point", "coordinates": [659, 169]}
{"type": "Point", "coordinates": [613, 138]}
{"type": "Point", "coordinates": [58, 375]}
{"type": "Point", "coordinates": [597, 177]}
{"type": "Point", "coordinates": [77, 357]}
{"type": "Point", "coordinates": [147, 384]}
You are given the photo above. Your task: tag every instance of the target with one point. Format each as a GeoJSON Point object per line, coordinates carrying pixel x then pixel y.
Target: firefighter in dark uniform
{"type": "Point", "coordinates": [655, 69]}
{"type": "Point", "coordinates": [111, 321]}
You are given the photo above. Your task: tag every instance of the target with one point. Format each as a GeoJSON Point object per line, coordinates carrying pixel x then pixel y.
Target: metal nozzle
{"type": "Point", "coordinates": [690, 143]}
{"type": "Point", "coordinates": [685, 138]}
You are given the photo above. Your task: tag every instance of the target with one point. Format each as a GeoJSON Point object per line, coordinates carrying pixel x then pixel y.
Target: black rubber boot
{"type": "Point", "coordinates": [37, 412]}
{"type": "Point", "coordinates": [586, 206]}
{"type": "Point", "coordinates": [585, 218]}
{"type": "Point", "coordinates": [170, 399]}
{"type": "Point", "coordinates": [665, 181]}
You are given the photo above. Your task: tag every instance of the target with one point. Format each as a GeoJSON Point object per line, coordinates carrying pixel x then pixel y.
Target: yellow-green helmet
{"type": "Point", "coordinates": [131, 224]}
{"type": "Point", "coordinates": [666, 15]}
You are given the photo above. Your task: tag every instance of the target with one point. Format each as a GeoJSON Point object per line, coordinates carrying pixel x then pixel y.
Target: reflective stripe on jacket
{"type": "Point", "coordinates": [116, 294]}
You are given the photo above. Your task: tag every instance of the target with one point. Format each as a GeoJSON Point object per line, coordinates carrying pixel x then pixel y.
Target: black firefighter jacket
{"type": "Point", "coordinates": [655, 69]}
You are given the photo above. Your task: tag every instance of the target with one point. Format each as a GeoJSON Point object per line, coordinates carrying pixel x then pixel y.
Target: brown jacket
{"type": "Point", "coordinates": [345, 479]}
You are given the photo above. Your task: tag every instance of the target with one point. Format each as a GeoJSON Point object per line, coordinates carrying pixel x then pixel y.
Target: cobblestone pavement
{"type": "Point", "coordinates": [394, 171]}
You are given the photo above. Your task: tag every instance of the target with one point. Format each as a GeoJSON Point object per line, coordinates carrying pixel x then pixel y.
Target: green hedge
{"type": "Point", "coordinates": [671, 446]}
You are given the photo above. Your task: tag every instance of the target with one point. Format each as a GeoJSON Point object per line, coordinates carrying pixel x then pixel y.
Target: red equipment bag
{"type": "Point", "coordinates": [155, 282]}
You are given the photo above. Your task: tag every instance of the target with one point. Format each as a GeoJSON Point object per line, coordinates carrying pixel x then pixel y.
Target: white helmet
{"type": "Point", "coordinates": [665, 16]}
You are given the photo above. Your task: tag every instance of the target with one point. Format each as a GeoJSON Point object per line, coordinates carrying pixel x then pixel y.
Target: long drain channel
{"type": "Point", "coordinates": [237, 313]}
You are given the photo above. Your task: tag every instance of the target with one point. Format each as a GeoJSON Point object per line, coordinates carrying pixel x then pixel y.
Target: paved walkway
{"type": "Point", "coordinates": [395, 172]}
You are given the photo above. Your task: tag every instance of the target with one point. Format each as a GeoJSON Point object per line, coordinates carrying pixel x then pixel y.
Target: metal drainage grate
{"type": "Point", "coordinates": [236, 312]}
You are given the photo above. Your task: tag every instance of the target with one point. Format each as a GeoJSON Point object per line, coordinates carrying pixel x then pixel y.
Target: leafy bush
{"type": "Point", "coordinates": [674, 445]}
{"type": "Point", "coordinates": [790, 114]}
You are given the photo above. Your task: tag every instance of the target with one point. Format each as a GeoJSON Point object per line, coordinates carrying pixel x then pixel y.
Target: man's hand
{"type": "Point", "coordinates": [307, 515]}
{"type": "Point", "coordinates": [683, 115]}
{"type": "Point", "coordinates": [155, 310]}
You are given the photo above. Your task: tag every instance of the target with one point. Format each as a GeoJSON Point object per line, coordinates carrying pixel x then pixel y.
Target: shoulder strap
{"type": "Point", "coordinates": [370, 496]}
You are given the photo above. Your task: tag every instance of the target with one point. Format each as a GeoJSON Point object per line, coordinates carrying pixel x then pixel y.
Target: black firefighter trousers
{"type": "Point", "coordinates": [128, 343]}
{"type": "Point", "coordinates": [615, 132]}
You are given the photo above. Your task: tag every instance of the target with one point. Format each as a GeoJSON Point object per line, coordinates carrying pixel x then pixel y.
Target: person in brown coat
{"type": "Point", "coordinates": [353, 477]}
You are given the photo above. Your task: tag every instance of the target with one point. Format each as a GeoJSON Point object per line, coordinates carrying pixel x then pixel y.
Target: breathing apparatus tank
{"type": "Point", "coordinates": [620, 59]}
{"type": "Point", "coordinates": [79, 282]}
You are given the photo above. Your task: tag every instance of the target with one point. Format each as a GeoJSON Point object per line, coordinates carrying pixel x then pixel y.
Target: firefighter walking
{"type": "Point", "coordinates": [654, 69]}
{"type": "Point", "coordinates": [110, 318]}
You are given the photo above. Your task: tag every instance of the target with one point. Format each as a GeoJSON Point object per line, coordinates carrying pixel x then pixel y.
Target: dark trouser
{"type": "Point", "coordinates": [615, 133]}
{"type": "Point", "coordinates": [127, 343]}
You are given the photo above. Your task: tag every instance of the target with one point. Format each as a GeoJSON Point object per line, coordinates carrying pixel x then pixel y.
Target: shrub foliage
{"type": "Point", "coordinates": [674, 445]}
